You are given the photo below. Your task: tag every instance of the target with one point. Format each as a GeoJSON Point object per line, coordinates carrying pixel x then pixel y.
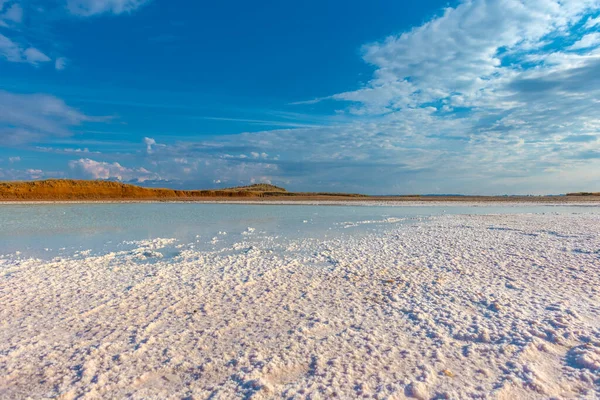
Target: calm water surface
{"type": "Point", "coordinates": [48, 230]}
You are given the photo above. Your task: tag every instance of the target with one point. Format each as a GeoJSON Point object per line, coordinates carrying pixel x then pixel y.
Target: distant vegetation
{"type": "Point", "coordinates": [584, 194]}
{"type": "Point", "coordinates": [67, 189]}
{"type": "Point", "coordinates": [257, 187]}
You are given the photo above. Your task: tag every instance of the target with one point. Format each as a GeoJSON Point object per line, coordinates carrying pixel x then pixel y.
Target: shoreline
{"type": "Point", "coordinates": [381, 202]}
{"type": "Point", "coordinates": [86, 191]}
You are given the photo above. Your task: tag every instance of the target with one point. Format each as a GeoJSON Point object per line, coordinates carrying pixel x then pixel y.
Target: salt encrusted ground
{"type": "Point", "coordinates": [454, 307]}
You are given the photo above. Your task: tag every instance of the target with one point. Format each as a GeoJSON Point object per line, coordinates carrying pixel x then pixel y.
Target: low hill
{"type": "Point", "coordinates": [258, 187]}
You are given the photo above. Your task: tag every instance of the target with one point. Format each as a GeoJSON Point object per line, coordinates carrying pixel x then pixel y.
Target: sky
{"type": "Point", "coordinates": [378, 97]}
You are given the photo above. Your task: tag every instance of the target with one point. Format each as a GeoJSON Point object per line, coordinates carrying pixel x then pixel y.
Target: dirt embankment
{"type": "Point", "coordinates": [59, 189]}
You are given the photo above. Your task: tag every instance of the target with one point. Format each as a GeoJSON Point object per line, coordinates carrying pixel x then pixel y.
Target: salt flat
{"type": "Point", "coordinates": [449, 306]}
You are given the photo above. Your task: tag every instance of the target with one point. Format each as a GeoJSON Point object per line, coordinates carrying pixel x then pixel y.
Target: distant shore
{"type": "Point", "coordinates": [341, 201]}
{"type": "Point", "coordinates": [82, 191]}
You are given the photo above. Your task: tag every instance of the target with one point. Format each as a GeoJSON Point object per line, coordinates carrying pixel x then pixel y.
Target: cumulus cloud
{"type": "Point", "coordinates": [104, 170]}
{"type": "Point", "coordinates": [149, 143]}
{"type": "Point", "coordinates": [86, 8]}
{"type": "Point", "coordinates": [34, 117]}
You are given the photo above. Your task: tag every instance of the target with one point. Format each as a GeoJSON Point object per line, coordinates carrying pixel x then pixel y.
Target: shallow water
{"type": "Point", "coordinates": [49, 230]}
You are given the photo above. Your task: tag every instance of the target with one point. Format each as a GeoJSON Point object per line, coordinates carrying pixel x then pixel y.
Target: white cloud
{"type": "Point", "coordinates": [34, 117]}
{"type": "Point", "coordinates": [65, 150]}
{"type": "Point", "coordinates": [84, 150]}
{"type": "Point", "coordinates": [477, 95]}
{"type": "Point", "coordinates": [459, 53]}
{"type": "Point", "coordinates": [28, 174]}
{"type": "Point", "coordinates": [149, 143]}
{"type": "Point", "coordinates": [60, 63]}
{"type": "Point", "coordinates": [35, 173]}
{"type": "Point", "coordinates": [16, 46]}
{"type": "Point", "coordinates": [104, 170]}
{"type": "Point", "coordinates": [592, 22]}
{"type": "Point", "coordinates": [395, 150]}
{"type": "Point", "coordinates": [589, 40]}
{"type": "Point", "coordinates": [260, 179]}
{"type": "Point", "coordinates": [86, 8]}
{"type": "Point", "coordinates": [14, 52]}
{"type": "Point", "coordinates": [34, 56]}
{"type": "Point", "coordinates": [14, 159]}
{"type": "Point", "coordinates": [10, 50]}
{"type": "Point", "coordinates": [13, 14]}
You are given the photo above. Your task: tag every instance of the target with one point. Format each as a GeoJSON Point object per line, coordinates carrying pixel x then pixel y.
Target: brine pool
{"type": "Point", "coordinates": [50, 230]}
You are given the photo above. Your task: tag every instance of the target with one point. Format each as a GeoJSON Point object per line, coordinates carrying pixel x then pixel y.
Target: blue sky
{"type": "Point", "coordinates": [382, 97]}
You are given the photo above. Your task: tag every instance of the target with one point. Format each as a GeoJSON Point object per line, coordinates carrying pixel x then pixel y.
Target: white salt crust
{"type": "Point", "coordinates": [457, 307]}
